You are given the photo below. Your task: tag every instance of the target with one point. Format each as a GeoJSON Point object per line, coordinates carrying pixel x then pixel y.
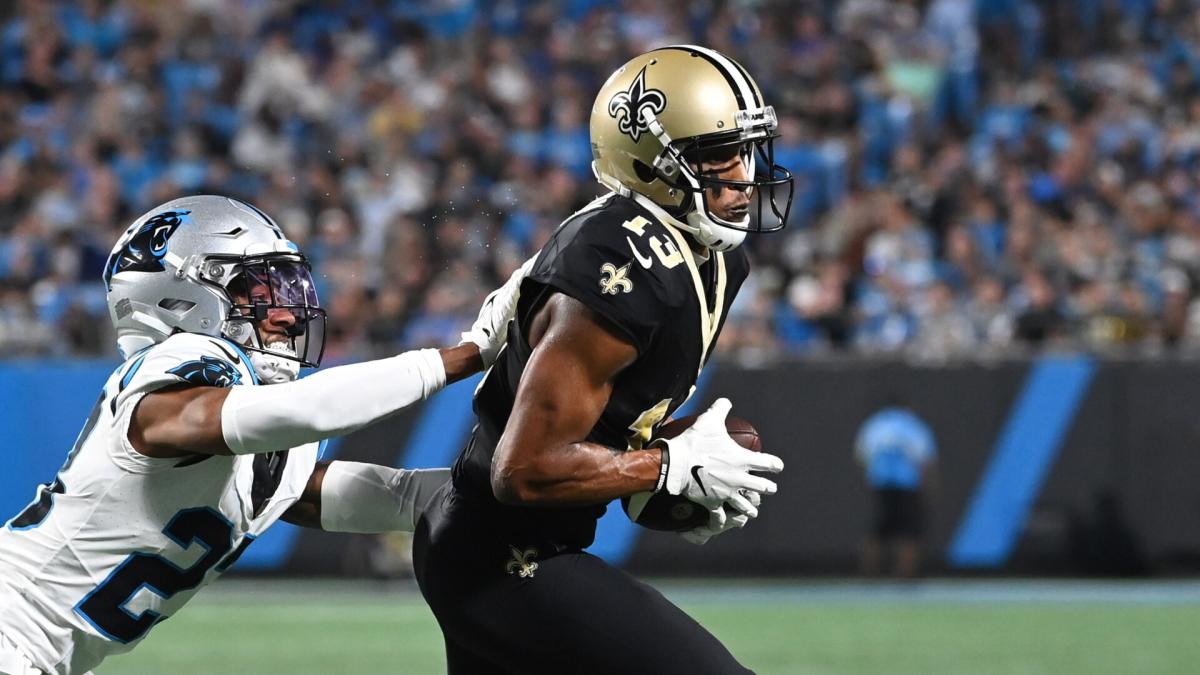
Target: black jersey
{"type": "Point", "coordinates": [618, 259]}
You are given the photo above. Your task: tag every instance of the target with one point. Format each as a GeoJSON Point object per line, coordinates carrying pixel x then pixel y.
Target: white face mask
{"type": "Point", "coordinates": [274, 369]}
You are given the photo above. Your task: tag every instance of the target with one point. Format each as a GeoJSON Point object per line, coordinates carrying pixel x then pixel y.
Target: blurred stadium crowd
{"type": "Point", "coordinates": [973, 176]}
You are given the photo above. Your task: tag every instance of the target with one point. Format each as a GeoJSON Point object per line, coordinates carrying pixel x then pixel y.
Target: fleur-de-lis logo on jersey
{"type": "Point", "coordinates": [627, 106]}
{"type": "Point", "coordinates": [522, 563]}
{"type": "Point", "coordinates": [613, 279]}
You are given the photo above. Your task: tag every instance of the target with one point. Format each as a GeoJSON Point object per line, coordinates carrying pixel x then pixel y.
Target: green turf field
{"type": "Point", "coordinates": [774, 628]}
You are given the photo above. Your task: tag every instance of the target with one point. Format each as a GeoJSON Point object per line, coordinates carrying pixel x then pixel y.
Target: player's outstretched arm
{"type": "Point", "coordinates": [253, 419]}
{"type": "Point", "coordinates": [183, 420]}
{"type": "Point", "coordinates": [542, 458]}
{"type": "Point", "coordinates": [364, 498]}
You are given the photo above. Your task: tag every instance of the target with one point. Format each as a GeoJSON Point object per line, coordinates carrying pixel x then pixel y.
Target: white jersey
{"type": "Point", "coordinates": [120, 541]}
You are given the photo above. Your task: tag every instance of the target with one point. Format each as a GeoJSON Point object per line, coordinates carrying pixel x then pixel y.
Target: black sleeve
{"type": "Point", "coordinates": [591, 261]}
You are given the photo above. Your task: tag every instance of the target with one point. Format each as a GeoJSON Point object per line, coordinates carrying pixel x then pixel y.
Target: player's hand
{"type": "Point", "coordinates": [490, 329]}
{"type": "Point", "coordinates": [708, 467]}
{"type": "Point", "coordinates": [720, 520]}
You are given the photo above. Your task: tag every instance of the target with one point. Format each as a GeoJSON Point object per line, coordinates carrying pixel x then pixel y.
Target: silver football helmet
{"type": "Point", "coordinates": [216, 266]}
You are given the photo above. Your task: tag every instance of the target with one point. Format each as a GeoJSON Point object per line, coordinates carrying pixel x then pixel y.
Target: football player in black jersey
{"type": "Point", "coordinates": [614, 323]}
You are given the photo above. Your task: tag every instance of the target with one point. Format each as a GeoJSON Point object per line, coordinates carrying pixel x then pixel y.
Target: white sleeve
{"type": "Point", "coordinates": [369, 498]}
{"type": "Point", "coordinates": [330, 403]}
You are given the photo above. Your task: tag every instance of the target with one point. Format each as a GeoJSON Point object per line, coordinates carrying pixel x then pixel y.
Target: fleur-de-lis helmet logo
{"type": "Point", "coordinates": [627, 106]}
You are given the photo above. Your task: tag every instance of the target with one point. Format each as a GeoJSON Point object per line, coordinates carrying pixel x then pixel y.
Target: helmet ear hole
{"type": "Point", "coordinates": [176, 306]}
{"type": "Point", "coordinates": [644, 172]}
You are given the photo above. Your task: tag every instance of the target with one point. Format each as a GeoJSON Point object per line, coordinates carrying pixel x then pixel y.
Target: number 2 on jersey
{"type": "Point", "coordinates": [105, 607]}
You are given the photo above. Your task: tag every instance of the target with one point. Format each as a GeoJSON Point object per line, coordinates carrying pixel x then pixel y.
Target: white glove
{"type": "Point", "coordinates": [708, 467]}
{"type": "Point", "coordinates": [720, 520]}
{"type": "Point", "coordinates": [490, 329]}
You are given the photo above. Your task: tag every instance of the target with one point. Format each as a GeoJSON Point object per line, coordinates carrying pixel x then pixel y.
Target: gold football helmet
{"type": "Point", "coordinates": [660, 113]}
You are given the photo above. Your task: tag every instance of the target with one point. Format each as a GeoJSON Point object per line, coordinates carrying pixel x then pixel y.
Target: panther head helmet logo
{"type": "Point", "coordinates": [145, 248]}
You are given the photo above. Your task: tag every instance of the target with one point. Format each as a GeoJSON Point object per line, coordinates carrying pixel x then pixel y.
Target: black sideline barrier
{"type": "Point", "coordinates": [1120, 497]}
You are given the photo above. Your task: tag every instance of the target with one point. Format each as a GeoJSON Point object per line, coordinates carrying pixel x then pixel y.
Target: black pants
{"type": "Point", "coordinates": [527, 606]}
{"type": "Point", "coordinates": [898, 513]}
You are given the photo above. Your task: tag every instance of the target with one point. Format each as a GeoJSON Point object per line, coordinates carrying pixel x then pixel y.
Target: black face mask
{"type": "Point", "coordinates": [280, 282]}
{"type": "Point", "coordinates": [771, 184]}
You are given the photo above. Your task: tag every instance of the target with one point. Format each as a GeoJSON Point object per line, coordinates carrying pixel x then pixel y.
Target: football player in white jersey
{"type": "Point", "coordinates": [183, 461]}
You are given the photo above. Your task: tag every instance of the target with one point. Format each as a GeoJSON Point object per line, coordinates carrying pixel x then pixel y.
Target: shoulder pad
{"type": "Point", "coordinates": [229, 364]}
{"type": "Point", "coordinates": [613, 258]}
{"type": "Point", "coordinates": [183, 358]}
{"type": "Point", "coordinates": [625, 234]}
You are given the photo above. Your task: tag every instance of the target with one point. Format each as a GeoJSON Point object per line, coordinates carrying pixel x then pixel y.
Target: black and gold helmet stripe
{"type": "Point", "coordinates": [737, 78]}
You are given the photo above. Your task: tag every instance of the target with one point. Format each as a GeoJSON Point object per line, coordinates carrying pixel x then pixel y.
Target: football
{"type": "Point", "coordinates": [674, 513]}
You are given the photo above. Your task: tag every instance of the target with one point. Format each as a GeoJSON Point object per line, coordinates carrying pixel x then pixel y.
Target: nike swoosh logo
{"type": "Point", "coordinates": [643, 260]}
{"type": "Point", "coordinates": [696, 477]}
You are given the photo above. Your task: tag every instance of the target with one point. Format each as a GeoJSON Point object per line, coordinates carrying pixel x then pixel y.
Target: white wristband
{"type": "Point", "coordinates": [269, 418]}
{"type": "Point", "coordinates": [369, 498]}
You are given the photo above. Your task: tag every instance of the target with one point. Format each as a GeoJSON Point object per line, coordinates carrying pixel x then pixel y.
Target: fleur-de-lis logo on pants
{"type": "Point", "coordinates": [628, 106]}
{"type": "Point", "coordinates": [613, 279]}
{"type": "Point", "coordinates": [522, 563]}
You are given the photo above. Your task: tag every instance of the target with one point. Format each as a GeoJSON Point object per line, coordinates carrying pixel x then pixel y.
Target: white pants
{"type": "Point", "coordinates": [13, 661]}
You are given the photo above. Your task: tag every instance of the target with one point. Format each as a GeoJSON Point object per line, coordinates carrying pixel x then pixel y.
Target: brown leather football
{"type": "Point", "coordinates": [675, 513]}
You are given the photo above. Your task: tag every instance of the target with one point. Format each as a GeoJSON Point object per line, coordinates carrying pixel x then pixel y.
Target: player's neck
{"type": "Point", "coordinates": [699, 251]}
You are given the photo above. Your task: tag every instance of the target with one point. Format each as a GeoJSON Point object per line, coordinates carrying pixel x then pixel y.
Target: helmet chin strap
{"type": "Point", "coordinates": [714, 232]}
{"type": "Point", "coordinates": [714, 235]}
{"type": "Point", "coordinates": [277, 365]}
